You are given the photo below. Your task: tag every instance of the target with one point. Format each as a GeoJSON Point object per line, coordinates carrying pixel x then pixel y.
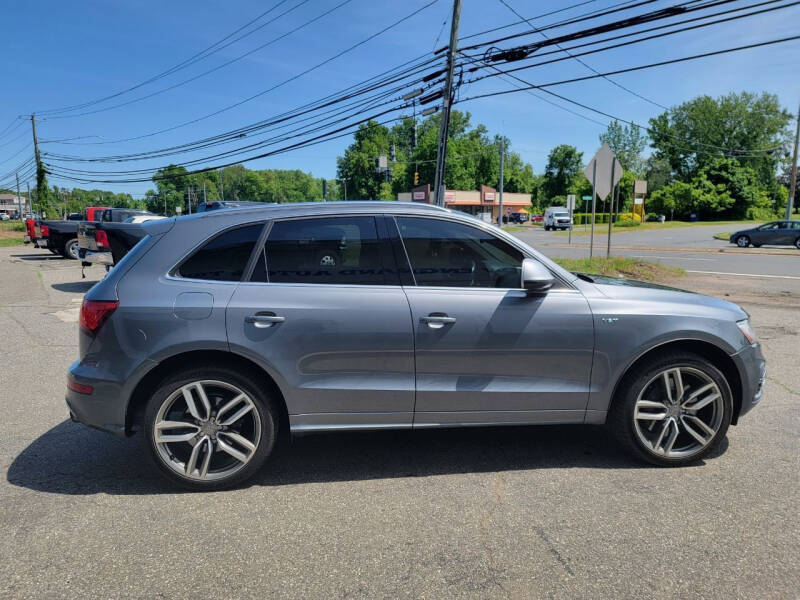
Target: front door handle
{"type": "Point", "coordinates": [437, 321]}
{"type": "Point", "coordinates": [262, 320]}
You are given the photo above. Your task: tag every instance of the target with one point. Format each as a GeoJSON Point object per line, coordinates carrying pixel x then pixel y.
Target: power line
{"type": "Point", "coordinates": [293, 78]}
{"type": "Point", "coordinates": [209, 71]}
{"type": "Point", "coordinates": [631, 42]}
{"type": "Point", "coordinates": [592, 69]}
{"type": "Point", "coordinates": [205, 53]}
{"type": "Point", "coordinates": [637, 68]}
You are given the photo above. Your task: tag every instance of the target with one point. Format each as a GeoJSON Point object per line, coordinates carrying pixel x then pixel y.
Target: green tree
{"type": "Point", "coordinates": [628, 143]}
{"type": "Point", "coordinates": [722, 189]}
{"type": "Point", "coordinates": [691, 135]}
{"type": "Point", "coordinates": [563, 168]}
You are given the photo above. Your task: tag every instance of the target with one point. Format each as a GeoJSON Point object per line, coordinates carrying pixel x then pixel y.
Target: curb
{"type": "Point", "coordinates": [752, 251]}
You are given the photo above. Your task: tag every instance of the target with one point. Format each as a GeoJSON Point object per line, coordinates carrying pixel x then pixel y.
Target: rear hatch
{"type": "Point", "coordinates": [86, 238]}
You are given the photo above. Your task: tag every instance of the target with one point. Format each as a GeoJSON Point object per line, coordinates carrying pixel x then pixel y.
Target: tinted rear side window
{"type": "Point", "coordinates": [224, 257]}
{"type": "Point", "coordinates": [326, 250]}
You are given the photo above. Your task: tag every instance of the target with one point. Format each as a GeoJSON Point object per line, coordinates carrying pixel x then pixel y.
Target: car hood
{"type": "Point", "coordinates": [660, 296]}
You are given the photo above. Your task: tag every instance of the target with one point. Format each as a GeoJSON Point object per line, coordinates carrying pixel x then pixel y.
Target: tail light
{"type": "Point", "coordinates": [94, 313]}
{"type": "Point", "coordinates": [101, 238]}
{"type": "Point", "coordinates": [45, 230]}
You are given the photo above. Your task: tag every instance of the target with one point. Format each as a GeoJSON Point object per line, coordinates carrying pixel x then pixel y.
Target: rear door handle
{"type": "Point", "coordinates": [435, 321]}
{"type": "Point", "coordinates": [264, 320]}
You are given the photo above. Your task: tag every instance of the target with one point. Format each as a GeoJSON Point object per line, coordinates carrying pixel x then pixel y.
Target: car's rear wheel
{"type": "Point", "coordinates": [71, 249]}
{"type": "Point", "coordinates": [797, 243]}
{"type": "Point", "coordinates": [210, 428]}
{"type": "Point", "coordinates": [743, 241]}
{"type": "Point", "coordinates": [673, 411]}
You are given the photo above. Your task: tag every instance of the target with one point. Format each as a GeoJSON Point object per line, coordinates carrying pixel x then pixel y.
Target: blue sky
{"type": "Point", "coordinates": [56, 54]}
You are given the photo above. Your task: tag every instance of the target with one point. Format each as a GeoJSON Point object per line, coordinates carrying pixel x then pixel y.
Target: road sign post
{"type": "Point", "coordinates": [611, 210]}
{"type": "Point", "coordinates": [585, 209]}
{"type": "Point", "coordinates": [606, 171]}
{"type": "Point", "coordinates": [571, 208]}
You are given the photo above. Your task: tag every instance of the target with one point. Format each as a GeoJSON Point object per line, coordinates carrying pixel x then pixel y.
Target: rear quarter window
{"type": "Point", "coordinates": [224, 257]}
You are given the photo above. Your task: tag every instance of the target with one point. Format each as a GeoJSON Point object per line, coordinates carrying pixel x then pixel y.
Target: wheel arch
{"type": "Point", "coordinates": [711, 352]}
{"type": "Point", "coordinates": [150, 382]}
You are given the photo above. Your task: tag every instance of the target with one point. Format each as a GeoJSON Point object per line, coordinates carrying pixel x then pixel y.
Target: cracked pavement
{"type": "Point", "coordinates": [556, 512]}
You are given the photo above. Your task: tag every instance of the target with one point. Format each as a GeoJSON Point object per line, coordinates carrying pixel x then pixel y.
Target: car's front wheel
{"type": "Point", "coordinates": [673, 411]}
{"type": "Point", "coordinates": [743, 241]}
{"type": "Point", "coordinates": [797, 243]}
{"type": "Point", "coordinates": [210, 428]}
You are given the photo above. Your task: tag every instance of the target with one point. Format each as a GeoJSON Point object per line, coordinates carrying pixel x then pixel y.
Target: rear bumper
{"type": "Point", "coordinates": [753, 372]}
{"type": "Point", "coordinates": [104, 408]}
{"type": "Point", "coordinates": [98, 258]}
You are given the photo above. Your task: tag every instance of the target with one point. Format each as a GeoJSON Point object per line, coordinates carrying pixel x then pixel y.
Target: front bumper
{"type": "Point", "coordinates": [753, 372]}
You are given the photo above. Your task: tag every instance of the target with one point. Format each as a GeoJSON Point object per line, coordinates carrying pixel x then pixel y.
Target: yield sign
{"type": "Point", "coordinates": [605, 160]}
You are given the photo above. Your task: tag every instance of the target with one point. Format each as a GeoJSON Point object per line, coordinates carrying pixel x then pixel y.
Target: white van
{"type": "Point", "coordinates": [557, 217]}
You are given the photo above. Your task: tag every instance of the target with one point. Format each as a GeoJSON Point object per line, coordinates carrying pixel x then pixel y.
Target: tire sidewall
{"type": "Point", "coordinates": [267, 413]}
{"type": "Point", "coordinates": [73, 243]}
{"type": "Point", "coordinates": [634, 387]}
{"type": "Point", "coordinates": [743, 241]}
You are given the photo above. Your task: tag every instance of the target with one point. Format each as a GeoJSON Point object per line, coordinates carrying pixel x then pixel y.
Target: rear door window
{"type": "Point", "coordinates": [223, 257]}
{"type": "Point", "coordinates": [322, 250]}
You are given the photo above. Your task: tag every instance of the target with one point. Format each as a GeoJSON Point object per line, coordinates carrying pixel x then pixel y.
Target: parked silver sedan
{"type": "Point", "coordinates": [219, 332]}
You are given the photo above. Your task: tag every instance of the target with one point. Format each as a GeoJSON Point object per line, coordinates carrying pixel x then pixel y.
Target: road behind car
{"type": "Point", "coordinates": [509, 512]}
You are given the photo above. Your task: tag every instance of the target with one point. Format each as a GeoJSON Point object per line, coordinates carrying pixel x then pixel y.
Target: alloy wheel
{"type": "Point", "coordinates": [72, 249]}
{"type": "Point", "coordinates": [678, 412]}
{"type": "Point", "coordinates": [743, 241]}
{"type": "Point", "coordinates": [207, 430]}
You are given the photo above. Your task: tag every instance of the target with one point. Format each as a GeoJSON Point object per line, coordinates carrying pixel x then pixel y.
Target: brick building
{"type": "Point", "coordinates": [482, 203]}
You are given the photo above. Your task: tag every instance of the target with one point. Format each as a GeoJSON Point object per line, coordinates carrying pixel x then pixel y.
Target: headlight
{"type": "Point", "coordinates": [747, 330]}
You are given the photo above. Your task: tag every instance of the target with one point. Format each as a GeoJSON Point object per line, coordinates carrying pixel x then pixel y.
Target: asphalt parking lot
{"type": "Point", "coordinates": [531, 512]}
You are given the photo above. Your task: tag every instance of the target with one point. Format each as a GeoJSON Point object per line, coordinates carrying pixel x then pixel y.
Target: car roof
{"type": "Point", "coordinates": [315, 208]}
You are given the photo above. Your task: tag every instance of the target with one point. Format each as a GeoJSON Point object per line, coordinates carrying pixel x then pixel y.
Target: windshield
{"type": "Point", "coordinates": [561, 214]}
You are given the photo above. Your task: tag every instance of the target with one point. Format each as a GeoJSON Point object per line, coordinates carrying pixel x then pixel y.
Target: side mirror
{"type": "Point", "coordinates": [536, 278]}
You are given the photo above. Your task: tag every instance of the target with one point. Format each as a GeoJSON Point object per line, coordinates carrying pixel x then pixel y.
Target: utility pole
{"type": "Point", "coordinates": [19, 198]}
{"type": "Point", "coordinates": [39, 167]}
{"type": "Point", "coordinates": [441, 152]}
{"type": "Point", "coordinates": [204, 191]}
{"type": "Point", "coordinates": [221, 188]}
{"type": "Point", "coordinates": [594, 198]}
{"type": "Point", "coordinates": [502, 164]}
{"type": "Point", "coordinates": [30, 200]}
{"type": "Point", "coordinates": [793, 183]}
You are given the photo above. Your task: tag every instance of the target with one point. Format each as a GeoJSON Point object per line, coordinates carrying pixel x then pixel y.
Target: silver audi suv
{"type": "Point", "coordinates": [221, 331]}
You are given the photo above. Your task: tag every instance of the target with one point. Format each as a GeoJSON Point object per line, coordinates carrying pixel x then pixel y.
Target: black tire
{"type": "Point", "coordinates": [266, 412]}
{"type": "Point", "coordinates": [756, 245]}
{"type": "Point", "coordinates": [743, 241]}
{"type": "Point", "coordinates": [71, 249]}
{"type": "Point", "coordinates": [621, 416]}
{"type": "Point", "coordinates": [797, 243]}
